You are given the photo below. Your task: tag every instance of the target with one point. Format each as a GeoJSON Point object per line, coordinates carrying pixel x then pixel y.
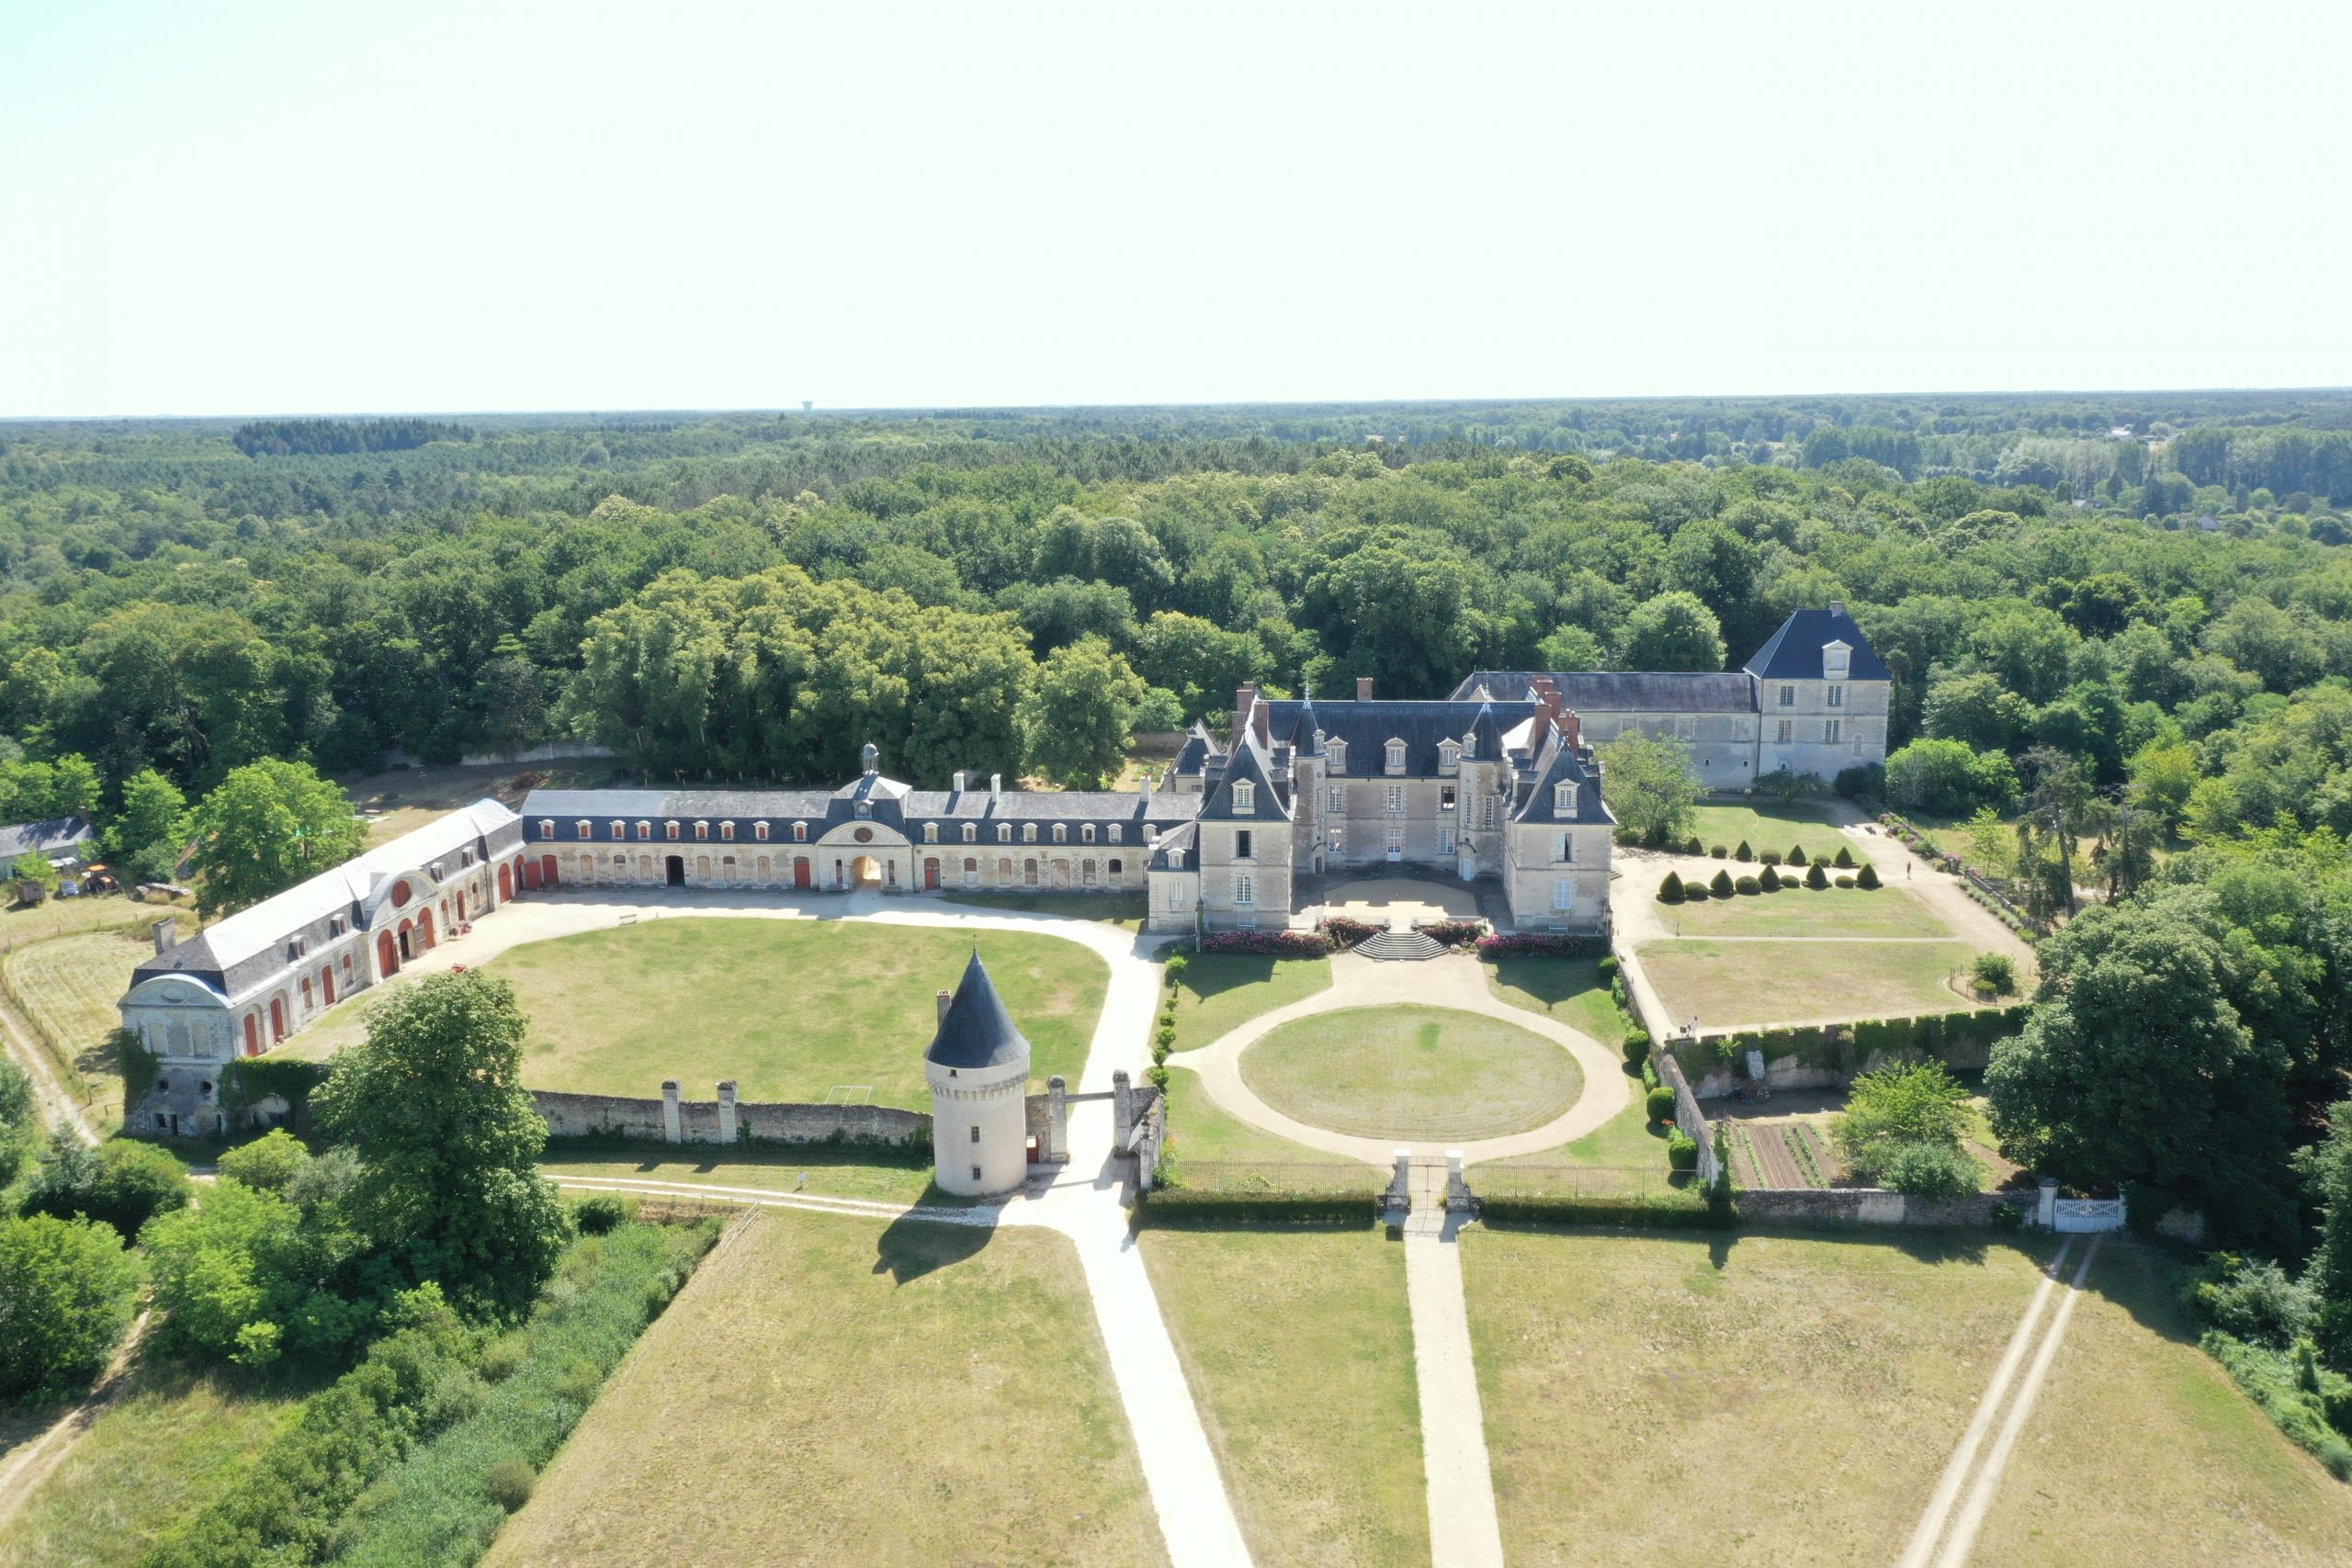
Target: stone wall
{"type": "Point", "coordinates": [1865, 1206]}
{"type": "Point", "coordinates": [618, 1116]}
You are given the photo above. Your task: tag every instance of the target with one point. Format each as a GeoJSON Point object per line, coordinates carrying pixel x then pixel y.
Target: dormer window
{"type": "Point", "coordinates": [931, 832]}
{"type": "Point", "coordinates": [971, 832]}
{"type": "Point", "coordinates": [1086, 834]}
{"type": "Point", "coordinates": [760, 831]}
{"type": "Point", "coordinates": [1470, 746]}
{"type": "Point", "coordinates": [801, 832]}
{"type": "Point", "coordinates": [865, 808]}
{"type": "Point", "coordinates": [1396, 756]}
{"type": "Point", "coordinates": [701, 831]}
{"type": "Point", "coordinates": [1004, 835]}
{"type": "Point", "coordinates": [547, 829]}
{"type": "Point", "coordinates": [1028, 832]}
{"type": "Point", "coordinates": [1836, 658]}
{"type": "Point", "coordinates": [1449, 756]}
{"type": "Point", "coordinates": [1564, 800]}
{"type": "Point", "coordinates": [1118, 834]}
{"type": "Point", "coordinates": [727, 831]}
{"type": "Point", "coordinates": [1245, 798]}
{"type": "Point", "coordinates": [669, 832]}
{"type": "Point", "coordinates": [1151, 833]}
{"type": "Point", "coordinates": [1061, 833]}
{"type": "Point", "coordinates": [1335, 755]}
{"type": "Point", "coordinates": [584, 829]}
{"type": "Point", "coordinates": [1175, 859]}
{"type": "Point", "coordinates": [620, 830]}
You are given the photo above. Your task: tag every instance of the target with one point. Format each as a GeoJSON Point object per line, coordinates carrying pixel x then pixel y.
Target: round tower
{"type": "Point", "coordinates": [979, 1069]}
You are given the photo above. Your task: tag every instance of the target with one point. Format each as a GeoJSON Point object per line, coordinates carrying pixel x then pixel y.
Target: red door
{"type": "Point", "coordinates": [930, 875]}
{"type": "Point", "coordinates": [505, 883]}
{"type": "Point", "coordinates": [800, 872]}
{"type": "Point", "coordinates": [546, 870]}
{"type": "Point", "coordinates": [276, 1021]}
{"type": "Point", "coordinates": [252, 1036]}
{"type": "Point", "coordinates": [326, 981]}
{"type": "Point", "coordinates": [388, 954]}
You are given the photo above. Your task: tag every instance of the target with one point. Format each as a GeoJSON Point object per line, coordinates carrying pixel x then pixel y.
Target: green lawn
{"type": "Point", "coordinates": [1566, 990]}
{"type": "Point", "coordinates": [1726, 983]}
{"type": "Point", "coordinates": [1212, 1146]}
{"type": "Point", "coordinates": [1299, 1351]}
{"type": "Point", "coordinates": [789, 1009]}
{"type": "Point", "coordinates": [1767, 825]}
{"type": "Point", "coordinates": [1222, 990]}
{"type": "Point", "coordinates": [158, 1450]}
{"type": "Point", "coordinates": [828, 1390]}
{"type": "Point", "coordinates": [1412, 1072]}
{"type": "Point", "coordinates": [1124, 910]}
{"type": "Point", "coordinates": [1805, 911]}
{"type": "Point", "coordinates": [1792, 1402]}
{"type": "Point", "coordinates": [1626, 1154]}
{"type": "Point", "coordinates": [827, 1172]}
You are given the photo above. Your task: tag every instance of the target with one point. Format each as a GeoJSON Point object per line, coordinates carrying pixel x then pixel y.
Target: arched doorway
{"type": "Point", "coordinates": [864, 870]}
{"type": "Point", "coordinates": [424, 927]}
{"type": "Point", "coordinates": [673, 870]}
{"type": "Point", "coordinates": [409, 946]}
{"type": "Point", "coordinates": [276, 1019]}
{"type": "Point", "coordinates": [388, 954]}
{"type": "Point", "coordinates": [252, 1036]}
{"type": "Point", "coordinates": [461, 909]}
{"type": "Point", "coordinates": [326, 984]}
{"type": "Point", "coordinates": [505, 883]}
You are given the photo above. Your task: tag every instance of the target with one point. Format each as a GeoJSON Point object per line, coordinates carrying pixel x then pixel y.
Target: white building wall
{"type": "Point", "coordinates": [979, 1121]}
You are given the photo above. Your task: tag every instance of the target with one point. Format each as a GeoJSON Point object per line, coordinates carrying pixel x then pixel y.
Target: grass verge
{"type": "Point", "coordinates": [828, 1172]}
{"type": "Point", "coordinates": [1124, 910]}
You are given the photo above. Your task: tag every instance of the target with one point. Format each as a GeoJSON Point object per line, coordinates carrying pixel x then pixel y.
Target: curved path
{"type": "Point", "coordinates": [1455, 981]}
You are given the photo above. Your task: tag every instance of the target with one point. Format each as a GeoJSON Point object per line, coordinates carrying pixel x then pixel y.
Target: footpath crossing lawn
{"type": "Point", "coordinates": [1299, 1350]}
{"type": "Point", "coordinates": [828, 1390]}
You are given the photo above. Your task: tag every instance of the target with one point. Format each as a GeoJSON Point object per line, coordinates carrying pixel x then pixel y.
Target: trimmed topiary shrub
{"type": "Point", "coordinates": [1605, 965]}
{"type": "Point", "coordinates": [1845, 858]}
{"type": "Point", "coordinates": [1771, 857]}
{"type": "Point", "coordinates": [1691, 846]}
{"type": "Point", "coordinates": [1867, 876]}
{"type": "Point", "coordinates": [1637, 1046]}
{"type": "Point", "coordinates": [1174, 969]}
{"type": "Point", "coordinates": [1719, 851]}
{"type": "Point", "coordinates": [1796, 855]}
{"type": "Point", "coordinates": [1743, 853]}
{"type": "Point", "coordinates": [1670, 890]}
{"type": "Point", "coordinates": [1695, 891]}
{"type": "Point", "coordinates": [1769, 880]}
{"type": "Point", "coordinates": [1721, 886]}
{"type": "Point", "coordinates": [1681, 1150]}
{"type": "Point", "coordinates": [1845, 882]}
{"type": "Point", "coordinates": [1747, 884]}
{"type": "Point", "coordinates": [1660, 1102]}
{"type": "Point", "coordinates": [1816, 879]}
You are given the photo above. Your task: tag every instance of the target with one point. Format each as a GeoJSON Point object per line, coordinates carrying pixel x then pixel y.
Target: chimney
{"type": "Point", "coordinates": [167, 934]}
{"type": "Point", "coordinates": [1836, 606]}
{"type": "Point", "coordinates": [959, 781]}
{"type": "Point", "coordinates": [1263, 717]}
{"type": "Point", "coordinates": [945, 1001]}
{"type": "Point", "coordinates": [996, 788]}
{"type": "Point", "coordinates": [1245, 698]}
{"type": "Point", "coordinates": [1363, 688]}
{"type": "Point", "coordinates": [1574, 726]}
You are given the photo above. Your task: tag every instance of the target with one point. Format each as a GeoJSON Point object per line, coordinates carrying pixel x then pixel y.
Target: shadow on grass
{"type": "Point", "coordinates": [1214, 974]}
{"type": "Point", "coordinates": [1549, 980]}
{"type": "Point", "coordinates": [651, 1158]}
{"type": "Point", "coordinates": [910, 1248]}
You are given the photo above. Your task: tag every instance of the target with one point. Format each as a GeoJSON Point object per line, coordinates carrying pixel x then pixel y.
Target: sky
{"type": "Point", "coordinates": [235, 208]}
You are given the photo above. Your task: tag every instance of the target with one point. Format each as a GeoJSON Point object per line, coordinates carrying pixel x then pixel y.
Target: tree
{"type": "Point", "coordinates": [15, 1118]}
{"type": "Point", "coordinates": [1196, 659]}
{"type": "Point", "coordinates": [122, 1183]}
{"type": "Point", "coordinates": [269, 1163]}
{"type": "Point", "coordinates": [67, 1290]}
{"type": "Point", "coordinates": [1079, 718]}
{"type": "Point", "coordinates": [268, 826]}
{"type": "Point", "coordinates": [152, 823]}
{"type": "Point", "coordinates": [1672, 631]}
{"type": "Point", "coordinates": [1647, 783]}
{"type": "Point", "coordinates": [1572, 648]}
{"type": "Point", "coordinates": [1977, 709]}
{"type": "Point", "coordinates": [1899, 1106]}
{"type": "Point", "coordinates": [2135, 1068]}
{"type": "Point", "coordinates": [2051, 816]}
{"type": "Point", "coordinates": [1945, 778]}
{"type": "Point", "coordinates": [447, 1138]}
{"type": "Point", "coordinates": [2327, 1173]}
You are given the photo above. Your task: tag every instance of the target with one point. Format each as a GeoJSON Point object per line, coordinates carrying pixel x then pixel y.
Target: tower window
{"type": "Point", "coordinates": [976, 1133]}
{"type": "Point", "coordinates": [1245, 796]}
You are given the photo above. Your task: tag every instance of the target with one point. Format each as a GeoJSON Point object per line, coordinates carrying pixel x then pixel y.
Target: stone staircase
{"type": "Point", "coordinates": [1400, 946]}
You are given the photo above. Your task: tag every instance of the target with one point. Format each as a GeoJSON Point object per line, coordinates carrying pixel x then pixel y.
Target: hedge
{"type": "Point", "coordinates": [1175, 1206]}
{"type": "Point", "coordinates": [1454, 933]}
{"type": "Point", "coordinates": [1344, 932]}
{"type": "Point", "coordinates": [1669, 1212]}
{"type": "Point", "coordinates": [1268, 944]}
{"type": "Point", "coordinates": [1845, 1047]}
{"type": "Point", "coordinates": [1536, 944]}
{"type": "Point", "coordinates": [1747, 884]}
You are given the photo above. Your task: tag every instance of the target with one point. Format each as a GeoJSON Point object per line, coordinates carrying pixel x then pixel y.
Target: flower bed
{"type": "Point", "coordinates": [1537, 944]}
{"type": "Point", "coordinates": [1269, 945]}
{"type": "Point", "coordinates": [1345, 933]}
{"type": "Point", "coordinates": [1454, 933]}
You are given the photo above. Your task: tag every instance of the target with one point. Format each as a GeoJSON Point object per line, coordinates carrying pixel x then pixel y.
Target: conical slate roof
{"type": "Point", "coordinates": [977, 1031]}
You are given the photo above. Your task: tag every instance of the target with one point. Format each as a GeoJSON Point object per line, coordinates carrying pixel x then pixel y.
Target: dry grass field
{"type": "Point", "coordinates": [1726, 983]}
{"type": "Point", "coordinates": [831, 1391]}
{"type": "Point", "coordinates": [1412, 1072]}
{"type": "Point", "coordinates": [1768, 1399]}
{"type": "Point", "coordinates": [66, 989]}
{"type": "Point", "coordinates": [1299, 1350]}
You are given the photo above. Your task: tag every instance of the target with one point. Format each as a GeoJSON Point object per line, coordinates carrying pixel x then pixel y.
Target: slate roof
{"type": "Point", "coordinates": [889, 802]}
{"type": "Point", "coordinates": [1175, 839]}
{"type": "Point", "coordinates": [1794, 653]}
{"type": "Point", "coordinates": [1196, 751]}
{"type": "Point", "coordinates": [1559, 763]}
{"type": "Point", "coordinates": [1247, 761]}
{"type": "Point", "coordinates": [978, 1031]}
{"type": "Point", "coordinates": [1367, 727]}
{"type": "Point", "coordinates": [1588, 690]}
{"type": "Point", "coordinates": [249, 947]}
{"type": "Point", "coordinates": [45, 838]}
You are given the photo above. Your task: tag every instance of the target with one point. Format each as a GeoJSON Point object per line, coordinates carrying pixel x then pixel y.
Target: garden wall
{"type": "Point", "coordinates": [1864, 1206]}
{"type": "Point", "coordinates": [618, 1116]}
{"type": "Point", "coordinates": [1650, 1013]}
{"type": "Point", "coordinates": [1831, 1055]}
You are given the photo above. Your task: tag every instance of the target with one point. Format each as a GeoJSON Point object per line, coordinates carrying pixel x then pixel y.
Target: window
{"type": "Point", "coordinates": [865, 808]}
{"type": "Point", "coordinates": [1244, 845]}
{"type": "Point", "coordinates": [1564, 848]}
{"type": "Point", "coordinates": [584, 829]}
{"type": "Point", "coordinates": [976, 1134]}
{"type": "Point", "coordinates": [1788, 697]}
{"type": "Point", "coordinates": [1117, 866]}
{"type": "Point", "coordinates": [1338, 800]}
{"type": "Point", "coordinates": [1445, 840]}
{"type": "Point", "coordinates": [701, 831]}
{"type": "Point", "coordinates": [1245, 889]}
{"type": "Point", "coordinates": [1335, 756]}
{"type": "Point", "coordinates": [1086, 874]}
{"type": "Point", "coordinates": [1061, 833]}
{"type": "Point", "coordinates": [801, 832]}
{"type": "Point", "coordinates": [1245, 798]}
{"type": "Point", "coordinates": [760, 831]}
{"type": "Point", "coordinates": [1028, 832]}
{"type": "Point", "coordinates": [1449, 756]}
{"type": "Point", "coordinates": [669, 832]}
{"type": "Point", "coordinates": [1788, 730]}
{"type": "Point", "coordinates": [1470, 747]}
{"type": "Point", "coordinates": [547, 829]}
{"type": "Point", "coordinates": [1564, 800]}
{"type": "Point", "coordinates": [1004, 832]}
{"type": "Point", "coordinates": [1086, 834]}
{"type": "Point", "coordinates": [727, 831]}
{"type": "Point", "coordinates": [971, 872]}
{"type": "Point", "coordinates": [1339, 839]}
{"type": "Point", "coordinates": [1396, 756]}
{"type": "Point", "coordinates": [1395, 837]}
{"type": "Point", "coordinates": [931, 832]}
{"type": "Point", "coordinates": [1118, 834]}
{"type": "Point", "coordinates": [1836, 696]}
{"type": "Point", "coordinates": [1487, 812]}
{"type": "Point", "coordinates": [1831, 732]}
{"type": "Point", "coordinates": [976, 1173]}
{"type": "Point", "coordinates": [1445, 797]}
{"type": "Point", "coordinates": [971, 832]}
{"type": "Point", "coordinates": [1564, 893]}
{"type": "Point", "coordinates": [1835, 656]}
{"type": "Point", "coordinates": [1175, 859]}
{"type": "Point", "coordinates": [620, 830]}
{"type": "Point", "coordinates": [1151, 832]}
{"type": "Point", "coordinates": [1396, 800]}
